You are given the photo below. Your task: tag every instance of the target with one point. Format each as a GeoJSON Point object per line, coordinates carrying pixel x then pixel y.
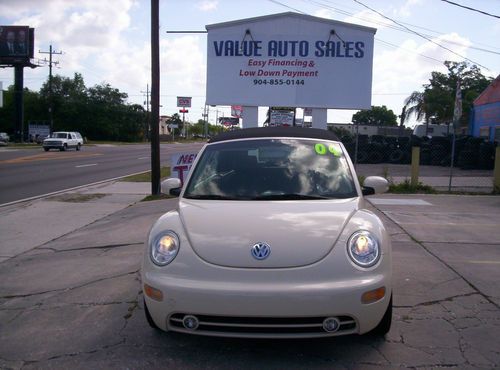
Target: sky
{"type": "Point", "coordinates": [108, 41]}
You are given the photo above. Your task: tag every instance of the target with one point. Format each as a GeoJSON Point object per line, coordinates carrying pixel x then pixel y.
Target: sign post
{"type": "Point", "coordinates": [184, 102]}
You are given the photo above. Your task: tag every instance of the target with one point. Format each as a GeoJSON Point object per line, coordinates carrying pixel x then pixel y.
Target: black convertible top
{"type": "Point", "coordinates": [257, 132]}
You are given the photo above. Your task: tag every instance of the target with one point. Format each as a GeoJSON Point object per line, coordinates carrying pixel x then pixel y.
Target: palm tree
{"type": "Point", "coordinates": [415, 105]}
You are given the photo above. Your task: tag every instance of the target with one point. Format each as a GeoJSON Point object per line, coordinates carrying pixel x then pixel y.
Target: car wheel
{"type": "Point", "coordinates": [46, 149]}
{"type": "Point", "coordinates": [78, 146]}
{"type": "Point", "coordinates": [64, 147]}
{"type": "Point", "coordinates": [384, 325]}
{"type": "Point", "coordinates": [149, 318]}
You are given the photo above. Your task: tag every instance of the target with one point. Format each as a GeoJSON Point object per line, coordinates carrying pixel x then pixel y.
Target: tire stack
{"type": "Point", "coordinates": [440, 151]}
{"type": "Point", "coordinates": [468, 157]}
{"type": "Point", "coordinates": [486, 157]}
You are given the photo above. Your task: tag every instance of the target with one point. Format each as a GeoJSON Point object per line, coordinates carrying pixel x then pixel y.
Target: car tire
{"type": "Point", "coordinates": [64, 148]}
{"type": "Point", "coordinates": [148, 317]}
{"type": "Point", "coordinates": [384, 325]}
{"type": "Point", "coordinates": [78, 146]}
{"type": "Point", "coordinates": [46, 149]}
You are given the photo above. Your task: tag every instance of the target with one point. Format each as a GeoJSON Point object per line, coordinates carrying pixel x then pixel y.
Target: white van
{"type": "Point", "coordinates": [432, 130]}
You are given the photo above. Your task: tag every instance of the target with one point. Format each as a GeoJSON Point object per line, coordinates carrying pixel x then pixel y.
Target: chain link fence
{"type": "Point", "coordinates": [390, 157]}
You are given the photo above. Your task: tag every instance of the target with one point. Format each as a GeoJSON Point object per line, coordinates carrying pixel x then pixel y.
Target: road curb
{"type": "Point", "coordinates": [69, 189]}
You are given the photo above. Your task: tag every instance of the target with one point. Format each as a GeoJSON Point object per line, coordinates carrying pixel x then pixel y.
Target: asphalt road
{"type": "Point", "coordinates": [33, 172]}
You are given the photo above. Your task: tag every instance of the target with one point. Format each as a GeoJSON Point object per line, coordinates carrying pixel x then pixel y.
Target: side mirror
{"type": "Point", "coordinates": [171, 186]}
{"type": "Point", "coordinates": [375, 185]}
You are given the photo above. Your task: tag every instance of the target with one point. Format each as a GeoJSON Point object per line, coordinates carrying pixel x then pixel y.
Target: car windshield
{"type": "Point", "coordinates": [272, 169]}
{"type": "Point", "coordinates": [60, 135]}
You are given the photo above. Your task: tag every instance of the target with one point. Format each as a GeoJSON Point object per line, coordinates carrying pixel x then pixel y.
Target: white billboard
{"type": "Point", "coordinates": [290, 59]}
{"type": "Point", "coordinates": [281, 118]}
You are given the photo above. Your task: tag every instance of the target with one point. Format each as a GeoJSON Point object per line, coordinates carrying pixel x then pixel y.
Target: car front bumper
{"type": "Point", "coordinates": [266, 303]}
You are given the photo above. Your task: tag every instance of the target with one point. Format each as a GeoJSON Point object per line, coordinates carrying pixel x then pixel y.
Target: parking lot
{"type": "Point", "coordinates": [74, 300]}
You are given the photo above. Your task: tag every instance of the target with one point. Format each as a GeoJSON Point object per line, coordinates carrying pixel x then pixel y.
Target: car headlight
{"type": "Point", "coordinates": [164, 248]}
{"type": "Point", "coordinates": [363, 248]}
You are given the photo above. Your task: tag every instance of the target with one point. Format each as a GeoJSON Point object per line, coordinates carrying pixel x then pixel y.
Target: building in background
{"type": "Point", "coordinates": [485, 114]}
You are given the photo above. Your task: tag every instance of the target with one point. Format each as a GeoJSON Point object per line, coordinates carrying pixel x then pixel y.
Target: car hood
{"type": "Point", "coordinates": [298, 232]}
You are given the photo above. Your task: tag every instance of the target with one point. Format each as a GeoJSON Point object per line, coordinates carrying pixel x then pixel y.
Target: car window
{"type": "Point", "coordinates": [272, 169]}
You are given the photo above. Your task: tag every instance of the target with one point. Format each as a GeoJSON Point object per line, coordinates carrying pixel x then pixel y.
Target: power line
{"type": "Point", "coordinates": [410, 51]}
{"type": "Point", "coordinates": [347, 13]}
{"type": "Point", "coordinates": [287, 6]}
{"type": "Point", "coordinates": [400, 28]}
{"type": "Point", "coordinates": [419, 34]}
{"type": "Point", "coordinates": [469, 8]}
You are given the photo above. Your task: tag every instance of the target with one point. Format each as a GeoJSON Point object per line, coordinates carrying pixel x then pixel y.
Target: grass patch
{"type": "Point", "coordinates": [407, 188]}
{"type": "Point", "coordinates": [146, 176]}
{"type": "Point", "coordinates": [156, 197]}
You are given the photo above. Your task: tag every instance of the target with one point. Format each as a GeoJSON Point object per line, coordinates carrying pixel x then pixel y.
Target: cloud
{"type": "Point", "coordinates": [92, 36]}
{"type": "Point", "coordinates": [183, 62]}
{"type": "Point", "coordinates": [208, 5]}
{"type": "Point", "coordinates": [404, 11]}
{"type": "Point", "coordinates": [369, 19]}
{"type": "Point", "coordinates": [324, 13]}
{"type": "Point", "coordinates": [398, 72]}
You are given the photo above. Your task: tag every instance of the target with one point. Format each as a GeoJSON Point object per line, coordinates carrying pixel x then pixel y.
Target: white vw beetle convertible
{"type": "Point", "coordinates": [271, 238]}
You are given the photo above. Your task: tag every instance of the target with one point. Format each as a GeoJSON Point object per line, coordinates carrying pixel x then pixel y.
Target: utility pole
{"type": "Point", "coordinates": [155, 97]}
{"type": "Point", "coordinates": [146, 128]}
{"type": "Point", "coordinates": [205, 123]}
{"type": "Point", "coordinates": [51, 108]}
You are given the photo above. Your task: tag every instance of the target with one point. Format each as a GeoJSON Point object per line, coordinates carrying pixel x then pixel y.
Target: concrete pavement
{"type": "Point", "coordinates": [70, 292]}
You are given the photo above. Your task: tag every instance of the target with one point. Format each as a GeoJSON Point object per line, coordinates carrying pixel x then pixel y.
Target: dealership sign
{"type": "Point", "coordinates": [180, 164]}
{"type": "Point", "coordinates": [290, 59]}
{"type": "Point", "coordinates": [184, 101]}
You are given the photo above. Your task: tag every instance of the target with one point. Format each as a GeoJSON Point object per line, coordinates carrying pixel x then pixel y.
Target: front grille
{"type": "Point", "coordinates": [52, 143]}
{"type": "Point", "coordinates": [262, 326]}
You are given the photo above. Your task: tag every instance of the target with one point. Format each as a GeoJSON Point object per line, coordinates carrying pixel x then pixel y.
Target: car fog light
{"type": "Point", "coordinates": [190, 322]}
{"type": "Point", "coordinates": [373, 295]}
{"type": "Point", "coordinates": [331, 324]}
{"type": "Point", "coordinates": [153, 293]}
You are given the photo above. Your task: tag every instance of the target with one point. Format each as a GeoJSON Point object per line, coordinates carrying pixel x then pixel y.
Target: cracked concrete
{"type": "Point", "coordinates": [76, 302]}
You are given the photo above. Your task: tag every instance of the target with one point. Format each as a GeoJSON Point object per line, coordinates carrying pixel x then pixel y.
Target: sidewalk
{"type": "Point", "coordinates": [24, 226]}
{"type": "Point", "coordinates": [441, 183]}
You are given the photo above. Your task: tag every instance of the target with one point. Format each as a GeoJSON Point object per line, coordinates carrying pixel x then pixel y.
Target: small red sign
{"type": "Point", "coordinates": [183, 111]}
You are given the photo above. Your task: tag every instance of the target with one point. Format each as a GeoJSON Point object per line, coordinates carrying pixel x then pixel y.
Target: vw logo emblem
{"type": "Point", "coordinates": [261, 251]}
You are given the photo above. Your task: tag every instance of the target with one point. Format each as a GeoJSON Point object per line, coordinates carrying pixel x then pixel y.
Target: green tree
{"type": "Point", "coordinates": [69, 101]}
{"type": "Point", "coordinates": [175, 119]}
{"type": "Point", "coordinates": [100, 112]}
{"type": "Point", "coordinates": [378, 115]}
{"type": "Point", "coordinates": [437, 101]}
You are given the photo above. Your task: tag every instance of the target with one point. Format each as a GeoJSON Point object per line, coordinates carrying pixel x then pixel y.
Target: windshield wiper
{"type": "Point", "coordinates": [290, 196]}
{"type": "Point", "coordinates": [209, 197]}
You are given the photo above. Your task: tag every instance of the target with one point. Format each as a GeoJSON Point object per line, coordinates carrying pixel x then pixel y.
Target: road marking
{"type": "Point", "coordinates": [86, 165]}
{"type": "Point", "coordinates": [143, 158]}
{"type": "Point", "coordinates": [486, 262]}
{"type": "Point", "coordinates": [49, 156]}
{"type": "Point", "coordinates": [399, 202]}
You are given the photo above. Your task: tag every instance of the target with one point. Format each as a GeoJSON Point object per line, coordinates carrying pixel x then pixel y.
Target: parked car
{"type": "Point", "coordinates": [4, 137]}
{"type": "Point", "coordinates": [63, 140]}
{"type": "Point", "coordinates": [271, 238]}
